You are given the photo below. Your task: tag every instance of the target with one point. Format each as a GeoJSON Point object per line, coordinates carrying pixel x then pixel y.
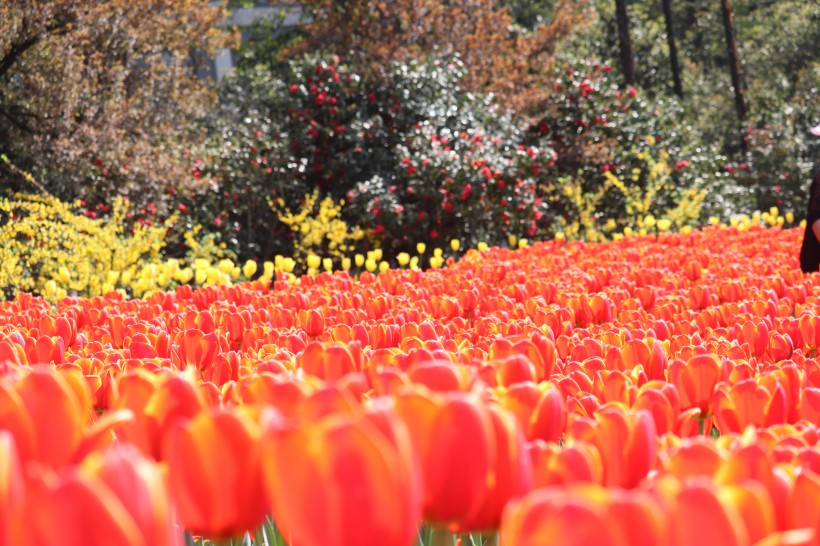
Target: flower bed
{"type": "Point", "coordinates": [659, 389]}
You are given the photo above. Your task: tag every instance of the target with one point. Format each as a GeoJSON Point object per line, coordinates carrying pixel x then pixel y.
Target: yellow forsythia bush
{"type": "Point", "coordinates": [318, 230]}
{"type": "Point", "coordinates": [48, 248]}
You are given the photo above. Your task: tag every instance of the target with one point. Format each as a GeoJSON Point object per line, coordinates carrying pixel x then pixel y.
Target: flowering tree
{"type": "Point", "coordinates": [504, 58]}
{"type": "Point", "coordinates": [100, 93]}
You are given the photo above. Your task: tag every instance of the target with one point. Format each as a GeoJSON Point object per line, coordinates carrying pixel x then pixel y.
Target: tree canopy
{"type": "Point", "coordinates": [505, 57]}
{"type": "Point", "coordinates": [92, 90]}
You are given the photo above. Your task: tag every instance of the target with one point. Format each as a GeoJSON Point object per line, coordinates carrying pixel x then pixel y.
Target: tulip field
{"type": "Point", "coordinates": [656, 390]}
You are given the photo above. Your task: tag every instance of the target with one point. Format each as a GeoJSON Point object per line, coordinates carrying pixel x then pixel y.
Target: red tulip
{"type": "Point", "coordinates": [12, 491]}
{"type": "Point", "coordinates": [442, 428]}
{"type": "Point", "coordinates": [115, 497]}
{"type": "Point", "coordinates": [512, 474]}
{"type": "Point", "coordinates": [748, 403]}
{"type": "Point", "coordinates": [344, 480]}
{"type": "Point", "coordinates": [582, 515]}
{"type": "Point", "coordinates": [696, 381]}
{"type": "Point", "coordinates": [312, 321]}
{"type": "Point", "coordinates": [625, 439]}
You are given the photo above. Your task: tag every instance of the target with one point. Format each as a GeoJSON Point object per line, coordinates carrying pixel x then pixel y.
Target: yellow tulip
{"type": "Point", "coordinates": [455, 244]}
{"type": "Point", "coordinates": [482, 246]}
{"type": "Point", "coordinates": [403, 258]}
{"type": "Point", "coordinates": [313, 261]}
{"type": "Point", "coordinates": [383, 266]}
{"type": "Point", "coordinates": [267, 270]}
{"type": "Point", "coordinates": [63, 275]}
{"type": "Point", "coordinates": [249, 269]}
{"type": "Point", "coordinates": [358, 259]}
{"type": "Point", "coordinates": [370, 265]}
{"type": "Point", "coordinates": [327, 264]}
{"type": "Point", "coordinates": [346, 264]}
{"type": "Point", "coordinates": [421, 247]}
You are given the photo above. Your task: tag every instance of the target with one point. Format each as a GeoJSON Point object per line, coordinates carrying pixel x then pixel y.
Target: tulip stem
{"type": "Point", "coordinates": [491, 540]}
{"type": "Point", "coordinates": [440, 537]}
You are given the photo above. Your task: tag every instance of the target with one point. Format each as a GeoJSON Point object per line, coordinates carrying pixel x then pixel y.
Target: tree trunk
{"type": "Point", "coordinates": [673, 50]}
{"type": "Point", "coordinates": [627, 57]}
{"type": "Point", "coordinates": [734, 60]}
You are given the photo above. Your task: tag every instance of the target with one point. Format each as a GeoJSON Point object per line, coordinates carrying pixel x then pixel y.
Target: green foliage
{"type": "Point", "coordinates": [769, 157]}
{"type": "Point", "coordinates": [602, 133]}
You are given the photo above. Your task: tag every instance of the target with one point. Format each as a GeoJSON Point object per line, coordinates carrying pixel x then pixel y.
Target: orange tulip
{"type": "Point", "coordinates": [158, 402]}
{"type": "Point", "coordinates": [47, 412]}
{"type": "Point", "coordinates": [214, 473]}
{"type": "Point", "coordinates": [547, 513]}
{"type": "Point", "coordinates": [437, 375]}
{"type": "Point", "coordinates": [663, 402]}
{"type": "Point", "coordinates": [810, 404]}
{"type": "Point", "coordinates": [343, 480]}
{"type": "Point", "coordinates": [754, 505]}
{"type": "Point", "coordinates": [328, 361]}
{"type": "Point", "coordinates": [803, 510]}
{"type": "Point", "coordinates": [195, 348]}
{"type": "Point", "coordinates": [312, 321]}
{"type": "Point", "coordinates": [696, 456]}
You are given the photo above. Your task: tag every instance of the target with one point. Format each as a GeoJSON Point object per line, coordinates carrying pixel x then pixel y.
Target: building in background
{"type": "Point", "coordinates": [244, 18]}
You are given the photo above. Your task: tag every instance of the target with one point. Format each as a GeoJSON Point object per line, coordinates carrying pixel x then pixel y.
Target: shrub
{"type": "Point", "coordinates": [620, 154]}
{"type": "Point", "coordinates": [455, 184]}
{"type": "Point", "coordinates": [319, 230]}
{"type": "Point", "coordinates": [317, 125]}
{"type": "Point", "coordinates": [52, 249]}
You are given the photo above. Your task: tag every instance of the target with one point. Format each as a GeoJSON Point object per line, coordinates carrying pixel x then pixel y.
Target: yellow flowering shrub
{"type": "Point", "coordinates": [646, 196]}
{"type": "Point", "coordinates": [319, 230]}
{"type": "Point", "coordinates": [49, 249]}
